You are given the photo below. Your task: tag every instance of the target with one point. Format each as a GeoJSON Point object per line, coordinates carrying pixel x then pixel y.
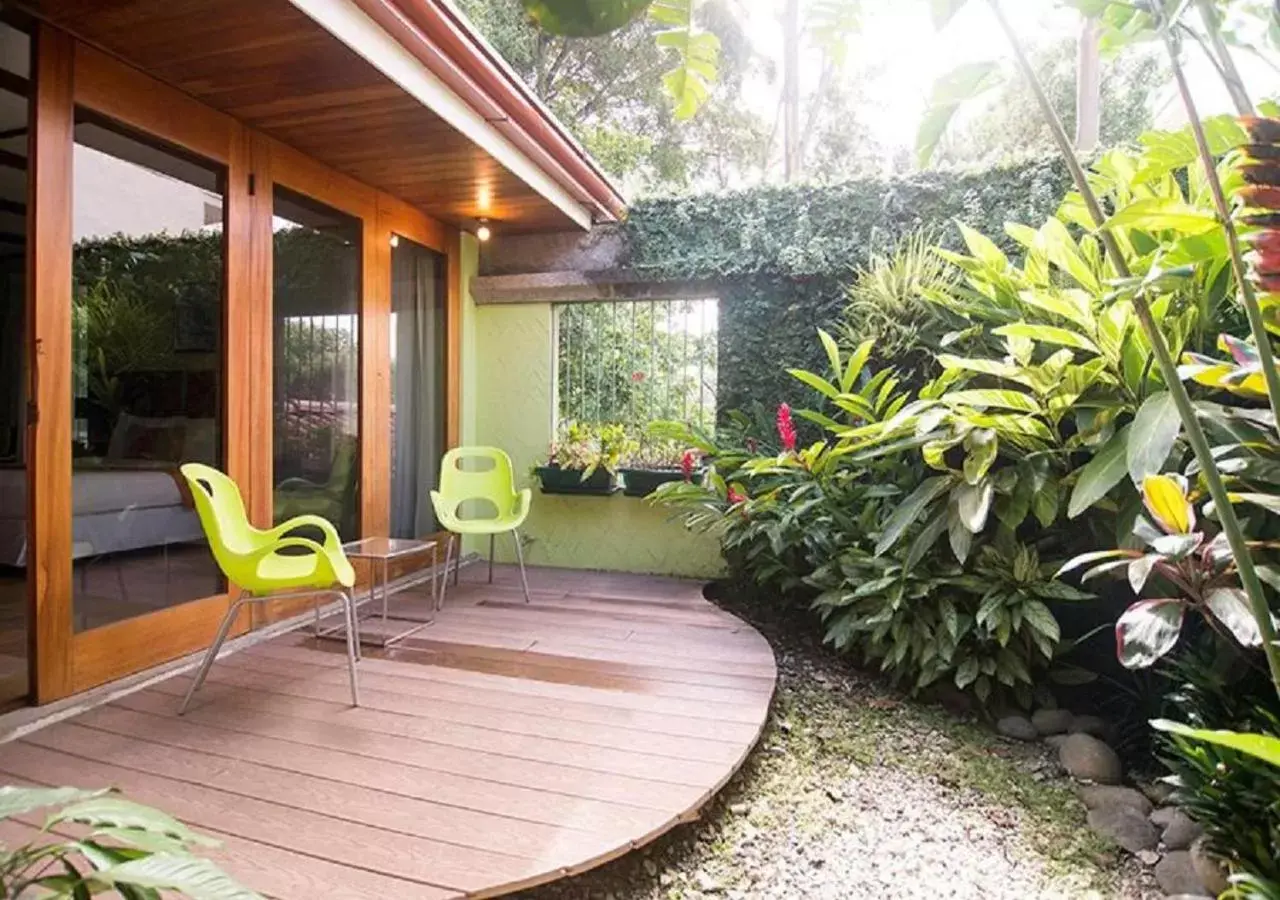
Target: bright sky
{"type": "Point", "coordinates": [899, 41]}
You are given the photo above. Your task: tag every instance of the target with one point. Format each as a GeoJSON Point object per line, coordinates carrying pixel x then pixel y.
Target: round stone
{"type": "Point", "coordinates": [1089, 759]}
{"type": "Point", "coordinates": [1094, 796]}
{"type": "Point", "coordinates": [1125, 825]}
{"type": "Point", "coordinates": [1176, 875]}
{"type": "Point", "coordinates": [1208, 869]}
{"type": "Point", "coordinates": [1051, 721]}
{"type": "Point", "coordinates": [1180, 831]}
{"type": "Point", "coordinates": [1017, 727]}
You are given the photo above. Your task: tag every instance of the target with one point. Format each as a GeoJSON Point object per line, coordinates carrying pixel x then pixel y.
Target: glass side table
{"type": "Point", "coordinates": [379, 552]}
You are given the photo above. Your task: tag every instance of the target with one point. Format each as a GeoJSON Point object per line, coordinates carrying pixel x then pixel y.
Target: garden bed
{"type": "Point", "coordinates": [858, 792]}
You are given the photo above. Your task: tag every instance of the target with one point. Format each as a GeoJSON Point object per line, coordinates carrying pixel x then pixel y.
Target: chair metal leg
{"type": "Point", "coordinates": [524, 581]}
{"type": "Point", "coordinates": [444, 576]}
{"type": "Point", "coordinates": [212, 652]}
{"type": "Point", "coordinates": [353, 644]}
{"type": "Point", "coordinates": [457, 565]}
{"type": "Point", "coordinates": [492, 539]}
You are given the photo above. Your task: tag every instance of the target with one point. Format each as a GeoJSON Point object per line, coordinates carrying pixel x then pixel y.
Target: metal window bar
{"type": "Point", "coordinates": [655, 360]}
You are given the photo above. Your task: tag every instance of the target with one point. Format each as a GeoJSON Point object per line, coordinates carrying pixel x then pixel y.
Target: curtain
{"type": "Point", "coordinates": [417, 399]}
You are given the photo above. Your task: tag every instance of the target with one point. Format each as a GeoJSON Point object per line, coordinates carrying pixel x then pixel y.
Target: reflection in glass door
{"type": "Point", "coordinates": [15, 55]}
{"type": "Point", "coordinates": [316, 365]}
{"type": "Point", "coordinates": [147, 344]}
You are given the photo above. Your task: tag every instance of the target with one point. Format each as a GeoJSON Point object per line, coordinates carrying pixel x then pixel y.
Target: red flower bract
{"type": "Point", "coordinates": [786, 428]}
{"type": "Point", "coordinates": [687, 463]}
{"type": "Point", "coordinates": [735, 497]}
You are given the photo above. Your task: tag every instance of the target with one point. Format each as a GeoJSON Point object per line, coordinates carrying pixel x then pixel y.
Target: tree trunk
{"type": "Point", "coordinates": [1088, 86]}
{"type": "Point", "coordinates": [791, 162]}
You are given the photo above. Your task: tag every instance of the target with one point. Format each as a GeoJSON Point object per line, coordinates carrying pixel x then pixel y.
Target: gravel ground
{"type": "Point", "coordinates": [856, 791]}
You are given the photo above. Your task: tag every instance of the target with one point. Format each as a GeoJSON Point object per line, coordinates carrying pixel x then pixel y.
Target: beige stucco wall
{"type": "Point", "coordinates": [509, 402]}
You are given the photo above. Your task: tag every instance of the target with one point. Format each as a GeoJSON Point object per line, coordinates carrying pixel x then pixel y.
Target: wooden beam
{"type": "Point", "coordinates": [49, 312]}
{"type": "Point", "coordinates": [584, 287]}
{"type": "Point", "coordinates": [13, 83]}
{"type": "Point", "coordinates": [9, 133]}
{"type": "Point", "coordinates": [13, 206]}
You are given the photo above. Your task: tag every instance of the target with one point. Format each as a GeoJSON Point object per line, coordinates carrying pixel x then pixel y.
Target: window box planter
{"type": "Point", "coordinates": [556, 480]}
{"type": "Point", "coordinates": [643, 482]}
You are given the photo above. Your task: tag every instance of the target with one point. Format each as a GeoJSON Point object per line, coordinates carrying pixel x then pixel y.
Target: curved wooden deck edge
{"type": "Point", "coordinates": [692, 814]}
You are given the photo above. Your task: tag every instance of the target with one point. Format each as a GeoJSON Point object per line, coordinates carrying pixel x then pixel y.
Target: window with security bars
{"type": "Point", "coordinates": [637, 362]}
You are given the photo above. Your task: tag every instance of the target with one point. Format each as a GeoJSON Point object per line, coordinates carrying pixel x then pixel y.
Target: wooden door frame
{"type": "Point", "coordinates": [69, 73]}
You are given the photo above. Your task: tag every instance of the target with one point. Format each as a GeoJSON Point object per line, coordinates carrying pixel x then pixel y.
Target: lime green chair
{"type": "Point", "coordinates": [488, 481]}
{"type": "Point", "coordinates": [251, 560]}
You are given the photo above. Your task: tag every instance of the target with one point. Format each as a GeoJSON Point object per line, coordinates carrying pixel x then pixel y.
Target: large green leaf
{"type": "Point", "coordinates": [1230, 606]}
{"type": "Point", "coordinates": [950, 92]}
{"type": "Point", "coordinates": [1147, 631]}
{"type": "Point", "coordinates": [815, 381]}
{"type": "Point", "coordinates": [1154, 432]}
{"type": "Point", "coordinates": [1262, 746]}
{"type": "Point", "coordinates": [973, 504]}
{"type": "Point", "coordinates": [111, 811]}
{"type": "Point", "coordinates": [583, 18]}
{"type": "Point", "coordinates": [14, 801]}
{"type": "Point", "coordinates": [697, 51]}
{"type": "Point", "coordinates": [910, 509]}
{"type": "Point", "coordinates": [987, 397]}
{"type": "Point", "coordinates": [1101, 474]}
{"type": "Point", "coordinates": [1163, 214]}
{"type": "Point", "coordinates": [1048, 334]}
{"type": "Point", "coordinates": [197, 879]}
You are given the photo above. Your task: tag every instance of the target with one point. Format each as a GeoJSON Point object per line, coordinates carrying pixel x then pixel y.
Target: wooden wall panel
{"type": "Point", "coordinates": [49, 314]}
{"type": "Point", "coordinates": [375, 380]}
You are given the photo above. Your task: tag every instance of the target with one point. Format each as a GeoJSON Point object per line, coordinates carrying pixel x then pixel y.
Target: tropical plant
{"type": "Point", "coordinates": [94, 841]}
{"type": "Point", "coordinates": [587, 448]}
{"type": "Point", "coordinates": [1227, 780]}
{"type": "Point", "coordinates": [1190, 572]}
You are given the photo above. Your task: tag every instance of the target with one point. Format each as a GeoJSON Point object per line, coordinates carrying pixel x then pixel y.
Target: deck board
{"type": "Point", "coordinates": [506, 745]}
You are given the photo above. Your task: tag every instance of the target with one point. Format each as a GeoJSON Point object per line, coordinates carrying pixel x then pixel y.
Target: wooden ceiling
{"type": "Point", "coordinates": [270, 66]}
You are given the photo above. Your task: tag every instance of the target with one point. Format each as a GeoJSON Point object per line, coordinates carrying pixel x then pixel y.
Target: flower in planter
{"type": "Point", "coordinates": [786, 428]}
{"type": "Point", "coordinates": [637, 377]}
{"type": "Point", "coordinates": [688, 462]}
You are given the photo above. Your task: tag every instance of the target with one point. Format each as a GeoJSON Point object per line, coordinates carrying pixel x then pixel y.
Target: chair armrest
{"type": "Point", "coordinates": [523, 502]}
{"type": "Point", "coordinates": [257, 556]}
{"type": "Point", "coordinates": [444, 515]}
{"type": "Point", "coordinates": [310, 520]}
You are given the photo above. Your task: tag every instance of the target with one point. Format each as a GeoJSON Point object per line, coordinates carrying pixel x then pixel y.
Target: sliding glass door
{"type": "Point", "coordinates": [15, 61]}
{"type": "Point", "coordinates": [316, 362]}
{"type": "Point", "coordinates": [418, 347]}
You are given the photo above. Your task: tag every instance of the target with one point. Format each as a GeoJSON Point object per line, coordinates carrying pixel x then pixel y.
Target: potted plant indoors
{"type": "Point", "coordinates": [657, 461]}
{"type": "Point", "coordinates": [584, 459]}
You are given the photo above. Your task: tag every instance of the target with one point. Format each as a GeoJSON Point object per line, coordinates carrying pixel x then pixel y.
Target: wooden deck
{"type": "Point", "coordinates": [504, 746]}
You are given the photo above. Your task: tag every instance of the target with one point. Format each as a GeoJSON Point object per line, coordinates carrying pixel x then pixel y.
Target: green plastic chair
{"type": "Point", "coordinates": [494, 485]}
{"type": "Point", "coordinates": [251, 560]}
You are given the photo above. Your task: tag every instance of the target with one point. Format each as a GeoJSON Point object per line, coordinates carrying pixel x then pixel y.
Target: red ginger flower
{"type": "Point", "coordinates": [735, 497]}
{"type": "Point", "coordinates": [687, 464]}
{"type": "Point", "coordinates": [1261, 197]}
{"type": "Point", "coordinates": [786, 428]}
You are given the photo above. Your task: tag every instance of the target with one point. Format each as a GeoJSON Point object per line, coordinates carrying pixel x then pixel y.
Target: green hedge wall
{"type": "Point", "coordinates": [785, 255]}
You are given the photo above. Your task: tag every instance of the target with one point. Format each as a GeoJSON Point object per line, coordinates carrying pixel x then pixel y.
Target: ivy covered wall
{"type": "Point", "coordinates": [783, 256]}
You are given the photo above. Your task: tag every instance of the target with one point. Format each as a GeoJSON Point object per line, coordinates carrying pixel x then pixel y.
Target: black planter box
{"type": "Point", "coordinates": [643, 482]}
{"type": "Point", "coordinates": [556, 480]}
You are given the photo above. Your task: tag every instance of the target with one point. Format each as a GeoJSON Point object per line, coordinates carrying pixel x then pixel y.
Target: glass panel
{"type": "Point", "coordinates": [417, 385]}
{"type": "Point", "coordinates": [316, 369]}
{"type": "Point", "coordinates": [146, 370]}
{"type": "Point", "coordinates": [15, 55]}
